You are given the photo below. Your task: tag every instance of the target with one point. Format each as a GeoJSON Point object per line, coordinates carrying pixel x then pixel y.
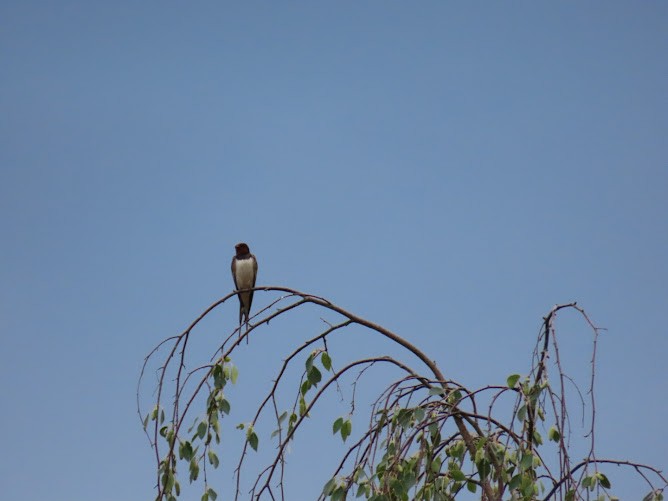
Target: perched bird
{"type": "Point", "coordinates": [244, 273]}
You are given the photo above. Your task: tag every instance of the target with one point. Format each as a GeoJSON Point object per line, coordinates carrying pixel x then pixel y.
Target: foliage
{"type": "Point", "coordinates": [428, 437]}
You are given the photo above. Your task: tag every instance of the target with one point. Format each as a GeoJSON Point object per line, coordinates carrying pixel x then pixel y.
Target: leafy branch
{"type": "Point", "coordinates": [427, 437]}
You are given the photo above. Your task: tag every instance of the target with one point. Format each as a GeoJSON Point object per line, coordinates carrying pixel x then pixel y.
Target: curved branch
{"type": "Point", "coordinates": [316, 397]}
{"type": "Point", "coordinates": [637, 466]}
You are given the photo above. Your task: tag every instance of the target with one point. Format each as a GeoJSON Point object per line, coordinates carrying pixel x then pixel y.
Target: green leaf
{"type": "Point", "coordinates": [436, 390]}
{"type": "Point", "coordinates": [216, 429]}
{"type": "Point", "coordinates": [527, 462]}
{"type": "Point", "coordinates": [205, 496]}
{"type": "Point", "coordinates": [218, 377]}
{"type": "Point", "coordinates": [522, 413]}
{"type": "Point", "coordinates": [537, 438]}
{"type": "Point", "coordinates": [457, 450]}
{"type": "Point", "coordinates": [471, 486]}
{"type": "Point", "coordinates": [480, 445]}
{"type": "Point", "coordinates": [362, 490]}
{"type": "Point", "coordinates": [314, 376]}
{"type": "Point", "coordinates": [212, 494]}
{"type": "Point", "coordinates": [515, 482]}
{"type": "Point", "coordinates": [282, 417]}
{"type": "Point", "coordinates": [309, 362]}
{"type": "Point", "coordinates": [162, 416]}
{"type": "Point", "coordinates": [553, 434]}
{"type": "Point", "coordinates": [234, 374]}
{"type": "Point", "coordinates": [145, 422]}
{"type": "Point", "coordinates": [419, 414]}
{"type": "Point", "coordinates": [338, 494]}
{"type": "Point", "coordinates": [588, 482]}
{"type": "Point", "coordinates": [359, 475]}
{"type": "Point", "coordinates": [201, 429]}
{"type": "Point", "coordinates": [194, 470]}
{"type": "Point", "coordinates": [214, 422]}
{"type": "Point", "coordinates": [329, 487]}
{"type": "Point", "coordinates": [403, 417]}
{"type": "Point", "coordinates": [168, 480]}
{"type": "Point", "coordinates": [177, 487]}
{"type": "Point", "coordinates": [346, 429]}
{"type": "Point", "coordinates": [302, 406]}
{"type": "Point", "coordinates": [528, 487]}
{"type": "Point", "coordinates": [253, 440]}
{"type": "Point", "coordinates": [434, 433]}
{"type": "Point", "coordinates": [603, 480]}
{"type": "Point", "coordinates": [326, 361]}
{"type": "Point", "coordinates": [306, 386]}
{"type": "Point", "coordinates": [337, 425]}
{"type": "Point", "coordinates": [512, 380]}
{"type": "Point", "coordinates": [484, 469]}
{"type": "Point", "coordinates": [225, 406]}
{"type": "Point", "coordinates": [241, 426]}
{"type": "Point", "coordinates": [213, 459]}
{"type": "Point", "coordinates": [185, 451]}
{"type": "Point", "coordinates": [454, 396]}
{"type": "Point", "coordinates": [457, 474]}
{"type": "Point", "coordinates": [170, 437]}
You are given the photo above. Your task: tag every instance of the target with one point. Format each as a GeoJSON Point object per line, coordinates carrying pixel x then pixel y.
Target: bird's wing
{"type": "Point", "coordinates": [251, 293]}
{"type": "Point", "coordinates": [234, 272]}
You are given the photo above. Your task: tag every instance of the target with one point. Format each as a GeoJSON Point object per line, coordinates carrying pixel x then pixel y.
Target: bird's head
{"type": "Point", "coordinates": [242, 249]}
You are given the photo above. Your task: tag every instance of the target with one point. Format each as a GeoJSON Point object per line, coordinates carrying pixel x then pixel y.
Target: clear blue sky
{"type": "Point", "coordinates": [449, 170]}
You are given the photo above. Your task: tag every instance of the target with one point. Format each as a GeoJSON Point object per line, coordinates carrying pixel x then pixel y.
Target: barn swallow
{"type": "Point", "coordinates": [244, 273]}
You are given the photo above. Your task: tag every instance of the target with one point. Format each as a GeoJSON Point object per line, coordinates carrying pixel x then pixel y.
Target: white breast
{"type": "Point", "coordinates": [244, 272]}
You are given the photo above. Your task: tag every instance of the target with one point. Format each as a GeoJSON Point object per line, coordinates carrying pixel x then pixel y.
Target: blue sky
{"type": "Point", "coordinates": [447, 170]}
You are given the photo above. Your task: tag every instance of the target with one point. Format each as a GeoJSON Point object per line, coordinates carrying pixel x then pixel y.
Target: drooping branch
{"type": "Point", "coordinates": [412, 414]}
{"type": "Point", "coordinates": [637, 466]}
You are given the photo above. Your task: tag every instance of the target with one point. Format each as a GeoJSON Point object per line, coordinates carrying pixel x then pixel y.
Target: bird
{"type": "Point", "coordinates": [244, 273]}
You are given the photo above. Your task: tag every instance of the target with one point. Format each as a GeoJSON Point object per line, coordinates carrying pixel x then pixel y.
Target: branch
{"type": "Point", "coordinates": [637, 466]}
